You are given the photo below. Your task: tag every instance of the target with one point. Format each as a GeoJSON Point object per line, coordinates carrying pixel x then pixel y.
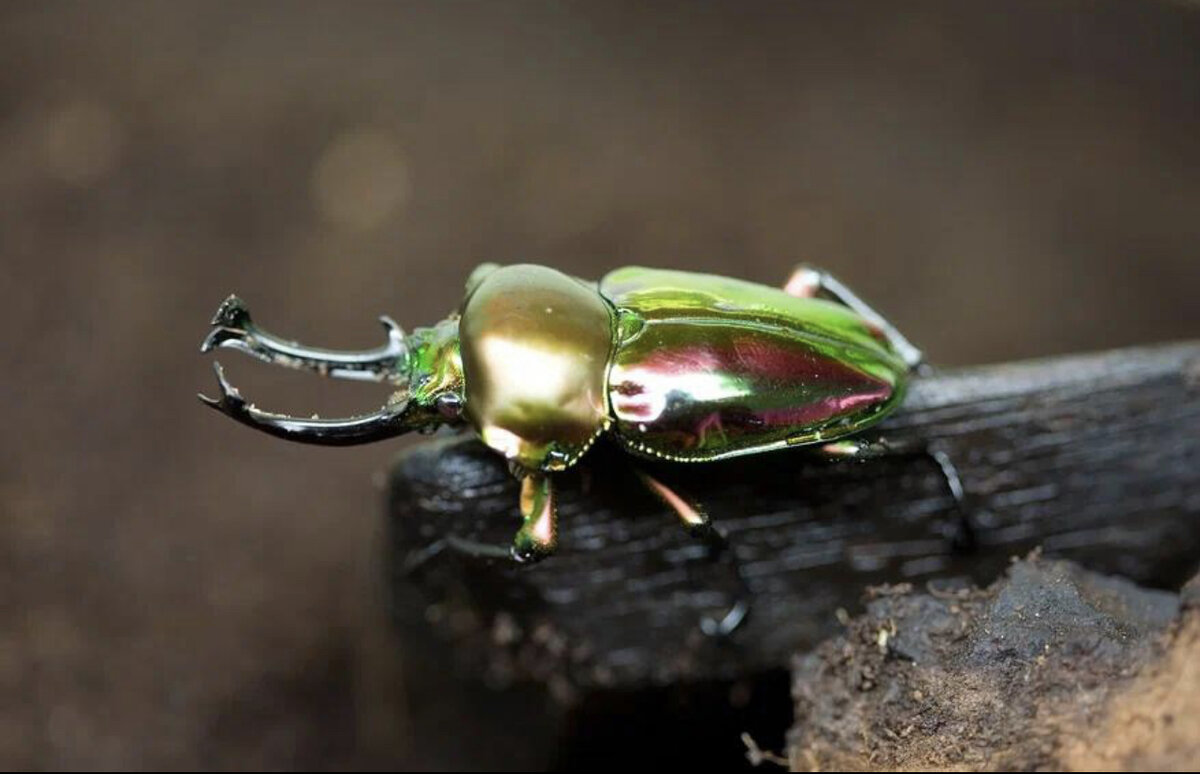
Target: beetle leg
{"type": "Point", "coordinates": [855, 449]}
{"type": "Point", "coordinates": [693, 517]}
{"type": "Point", "coordinates": [696, 521]}
{"type": "Point", "coordinates": [865, 449]}
{"type": "Point", "coordinates": [810, 282]}
{"type": "Point", "coordinates": [233, 328]}
{"type": "Point", "coordinates": [417, 559]}
{"type": "Point", "coordinates": [536, 540]}
{"type": "Point", "coordinates": [385, 423]}
{"type": "Point", "coordinates": [538, 536]}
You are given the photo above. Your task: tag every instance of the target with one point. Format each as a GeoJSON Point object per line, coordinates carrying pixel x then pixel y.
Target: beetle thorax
{"type": "Point", "coordinates": [535, 350]}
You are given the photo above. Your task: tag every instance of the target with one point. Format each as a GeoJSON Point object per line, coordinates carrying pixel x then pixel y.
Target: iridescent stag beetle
{"type": "Point", "coordinates": [673, 365]}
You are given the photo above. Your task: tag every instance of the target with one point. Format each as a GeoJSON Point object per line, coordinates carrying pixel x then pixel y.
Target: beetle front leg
{"type": "Point", "coordinates": [233, 328]}
{"type": "Point", "coordinates": [810, 282]}
{"type": "Point", "coordinates": [538, 536]}
{"type": "Point", "coordinates": [417, 559]}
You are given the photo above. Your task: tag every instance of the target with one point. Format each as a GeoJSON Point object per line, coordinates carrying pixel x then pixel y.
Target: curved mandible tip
{"type": "Point", "coordinates": [388, 422]}
{"type": "Point", "coordinates": [234, 328]}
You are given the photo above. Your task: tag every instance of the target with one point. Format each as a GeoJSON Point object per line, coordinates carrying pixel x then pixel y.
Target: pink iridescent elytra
{"type": "Point", "coordinates": [712, 367]}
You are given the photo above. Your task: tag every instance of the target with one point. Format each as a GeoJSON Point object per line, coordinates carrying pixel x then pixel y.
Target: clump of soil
{"type": "Point", "coordinates": [1052, 667]}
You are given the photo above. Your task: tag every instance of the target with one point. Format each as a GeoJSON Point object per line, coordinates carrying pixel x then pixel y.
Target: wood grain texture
{"type": "Point", "coordinates": [1091, 457]}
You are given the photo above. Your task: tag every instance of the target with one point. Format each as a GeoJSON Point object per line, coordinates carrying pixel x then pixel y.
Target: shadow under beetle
{"type": "Point", "coordinates": [673, 365]}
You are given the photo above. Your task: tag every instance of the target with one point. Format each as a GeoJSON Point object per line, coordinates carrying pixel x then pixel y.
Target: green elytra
{"type": "Point", "coordinates": [673, 365]}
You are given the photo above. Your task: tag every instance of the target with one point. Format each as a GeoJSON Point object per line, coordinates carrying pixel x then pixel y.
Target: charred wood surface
{"type": "Point", "coordinates": [1094, 458]}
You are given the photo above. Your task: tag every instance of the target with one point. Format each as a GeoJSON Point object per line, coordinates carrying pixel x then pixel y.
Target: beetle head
{"type": "Point", "coordinates": [424, 367]}
{"type": "Point", "coordinates": [434, 392]}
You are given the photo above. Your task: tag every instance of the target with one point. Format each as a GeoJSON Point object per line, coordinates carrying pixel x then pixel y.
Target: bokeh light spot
{"type": "Point", "coordinates": [360, 180]}
{"type": "Point", "coordinates": [82, 142]}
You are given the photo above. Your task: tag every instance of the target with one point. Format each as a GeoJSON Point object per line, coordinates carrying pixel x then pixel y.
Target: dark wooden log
{"type": "Point", "coordinates": [1094, 458]}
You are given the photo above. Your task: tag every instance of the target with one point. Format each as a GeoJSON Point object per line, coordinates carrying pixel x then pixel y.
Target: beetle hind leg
{"type": "Point", "coordinates": [810, 282]}
{"type": "Point", "coordinates": [870, 448]}
{"type": "Point", "coordinates": [867, 448]}
{"type": "Point", "coordinates": [234, 328]}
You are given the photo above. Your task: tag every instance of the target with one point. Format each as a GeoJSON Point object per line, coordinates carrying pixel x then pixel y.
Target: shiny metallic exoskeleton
{"type": "Point", "coordinates": [672, 365]}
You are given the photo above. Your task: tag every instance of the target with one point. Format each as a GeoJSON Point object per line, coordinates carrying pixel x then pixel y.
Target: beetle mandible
{"type": "Point", "coordinates": [673, 365]}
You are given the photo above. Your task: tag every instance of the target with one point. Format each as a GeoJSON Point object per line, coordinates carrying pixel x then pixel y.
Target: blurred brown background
{"type": "Point", "coordinates": [1005, 180]}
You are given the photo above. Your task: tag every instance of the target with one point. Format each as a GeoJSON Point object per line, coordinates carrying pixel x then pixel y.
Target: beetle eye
{"type": "Point", "coordinates": [449, 405]}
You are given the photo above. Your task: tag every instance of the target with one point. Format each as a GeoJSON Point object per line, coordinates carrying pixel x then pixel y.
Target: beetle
{"type": "Point", "coordinates": [673, 365]}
